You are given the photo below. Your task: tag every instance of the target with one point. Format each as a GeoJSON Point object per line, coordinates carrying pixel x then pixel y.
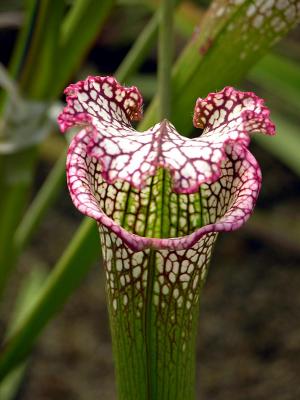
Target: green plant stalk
{"type": "Point", "coordinates": [153, 319]}
{"type": "Point", "coordinates": [19, 54]}
{"type": "Point", "coordinates": [280, 71]}
{"type": "Point", "coordinates": [275, 73]}
{"type": "Point", "coordinates": [286, 143]}
{"type": "Point", "coordinates": [139, 50]}
{"type": "Point", "coordinates": [41, 202]}
{"type": "Point", "coordinates": [165, 53]}
{"type": "Point", "coordinates": [25, 37]}
{"type": "Point", "coordinates": [10, 386]}
{"type": "Point", "coordinates": [16, 175]}
{"type": "Point", "coordinates": [38, 71]}
{"type": "Point", "coordinates": [76, 38]}
{"type": "Point", "coordinates": [26, 297]}
{"type": "Point", "coordinates": [153, 336]}
{"type": "Point", "coordinates": [153, 329]}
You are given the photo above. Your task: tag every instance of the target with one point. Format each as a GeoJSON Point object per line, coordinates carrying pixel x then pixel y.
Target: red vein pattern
{"type": "Point", "coordinates": [159, 199]}
{"type": "Point", "coordinates": [174, 294]}
{"type": "Point", "coordinates": [108, 157]}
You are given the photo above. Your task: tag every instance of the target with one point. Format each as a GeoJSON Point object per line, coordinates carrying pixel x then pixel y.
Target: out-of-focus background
{"type": "Point", "coordinates": [249, 336]}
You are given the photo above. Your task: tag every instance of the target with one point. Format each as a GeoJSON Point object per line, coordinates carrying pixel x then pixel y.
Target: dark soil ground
{"type": "Point", "coordinates": [249, 334]}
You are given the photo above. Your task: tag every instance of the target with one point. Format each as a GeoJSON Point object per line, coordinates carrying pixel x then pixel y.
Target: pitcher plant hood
{"type": "Point", "coordinates": [116, 174]}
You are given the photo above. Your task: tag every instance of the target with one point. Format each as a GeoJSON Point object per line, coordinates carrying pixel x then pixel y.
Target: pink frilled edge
{"type": "Point", "coordinates": [104, 109]}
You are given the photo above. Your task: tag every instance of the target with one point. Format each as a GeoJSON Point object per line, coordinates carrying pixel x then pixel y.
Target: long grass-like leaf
{"type": "Point", "coordinates": [41, 202]}
{"type": "Point", "coordinates": [280, 77]}
{"type": "Point", "coordinates": [35, 64]}
{"type": "Point", "coordinates": [79, 28]}
{"type": "Point", "coordinates": [286, 143]}
{"type": "Point", "coordinates": [68, 274]}
{"type": "Point", "coordinates": [233, 36]}
{"type": "Point", "coordinates": [26, 297]}
{"type": "Point", "coordinates": [35, 70]}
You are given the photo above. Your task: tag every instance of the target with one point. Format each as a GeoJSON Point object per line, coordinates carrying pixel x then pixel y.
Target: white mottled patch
{"type": "Point", "coordinates": [136, 272]}
{"type": "Point", "coordinates": [282, 4]}
{"type": "Point", "coordinates": [78, 107]}
{"type": "Point", "coordinates": [267, 5]}
{"type": "Point", "coordinates": [220, 12]}
{"type": "Point", "coordinates": [195, 281]}
{"type": "Point", "coordinates": [290, 13]}
{"type": "Point", "coordinates": [258, 21]}
{"type": "Point", "coordinates": [122, 280]}
{"type": "Point", "coordinates": [251, 10]}
{"type": "Point", "coordinates": [107, 90]}
{"type": "Point", "coordinates": [119, 95]}
{"type": "Point", "coordinates": [191, 269]}
{"type": "Point", "coordinates": [180, 301]}
{"type": "Point", "coordinates": [184, 278]}
{"type": "Point", "coordinates": [229, 104]}
{"type": "Point", "coordinates": [82, 97]}
{"type": "Point", "coordinates": [96, 86]}
{"type": "Point", "coordinates": [168, 266]}
{"type": "Point", "coordinates": [172, 277]}
{"type": "Point", "coordinates": [165, 290]}
{"type": "Point", "coordinates": [219, 102]}
{"type": "Point", "coordinates": [242, 55]}
{"type": "Point", "coordinates": [176, 267]}
{"type": "Point", "coordinates": [93, 94]}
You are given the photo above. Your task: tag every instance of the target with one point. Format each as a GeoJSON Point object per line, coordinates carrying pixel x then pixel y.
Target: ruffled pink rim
{"type": "Point", "coordinates": [106, 109]}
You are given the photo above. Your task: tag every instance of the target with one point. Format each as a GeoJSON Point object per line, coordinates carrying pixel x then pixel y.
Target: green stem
{"type": "Point", "coordinates": [41, 203]}
{"type": "Point", "coordinates": [165, 52]}
{"type": "Point", "coordinates": [25, 299]}
{"type": "Point", "coordinates": [139, 50]}
{"type": "Point", "coordinates": [153, 298]}
{"type": "Point", "coordinates": [60, 284]}
{"type": "Point", "coordinates": [76, 38]}
{"type": "Point", "coordinates": [16, 174]}
{"type": "Point", "coordinates": [153, 306]}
